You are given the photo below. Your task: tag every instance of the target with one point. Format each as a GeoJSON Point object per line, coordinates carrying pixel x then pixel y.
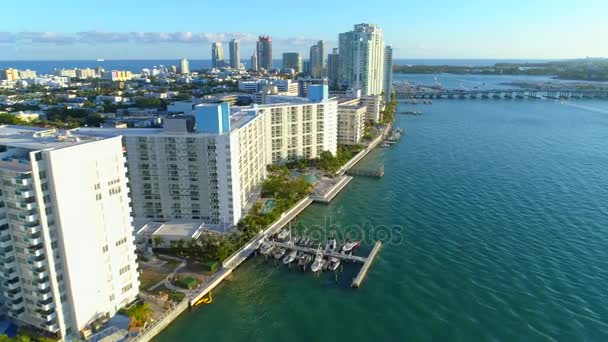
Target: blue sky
{"type": "Point", "coordinates": [151, 29]}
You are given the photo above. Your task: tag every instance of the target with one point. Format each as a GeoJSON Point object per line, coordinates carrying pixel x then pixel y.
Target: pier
{"type": "Point", "coordinates": [375, 173]}
{"type": "Point", "coordinates": [311, 250]}
{"type": "Point", "coordinates": [289, 245]}
{"type": "Point", "coordinates": [366, 265]}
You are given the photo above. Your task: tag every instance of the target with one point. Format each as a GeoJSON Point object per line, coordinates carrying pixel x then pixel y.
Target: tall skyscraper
{"type": "Point", "coordinates": [264, 51]}
{"type": "Point", "coordinates": [317, 59]}
{"type": "Point", "coordinates": [388, 73]}
{"type": "Point", "coordinates": [332, 68]}
{"type": "Point", "coordinates": [184, 66]}
{"type": "Point", "coordinates": [66, 240]}
{"type": "Point", "coordinates": [217, 55]}
{"type": "Point", "coordinates": [254, 62]}
{"type": "Point", "coordinates": [292, 60]}
{"type": "Point", "coordinates": [235, 54]}
{"type": "Point", "coordinates": [361, 59]}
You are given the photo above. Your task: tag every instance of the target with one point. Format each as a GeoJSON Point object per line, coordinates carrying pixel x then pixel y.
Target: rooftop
{"type": "Point", "coordinates": [36, 138]}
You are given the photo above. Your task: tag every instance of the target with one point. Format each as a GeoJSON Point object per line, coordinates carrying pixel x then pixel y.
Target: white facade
{"type": "Point", "coordinates": [361, 59]}
{"type": "Point", "coordinates": [351, 124]}
{"type": "Point", "coordinates": [178, 173]}
{"type": "Point", "coordinates": [373, 103]}
{"type": "Point", "coordinates": [65, 229]}
{"type": "Point", "coordinates": [184, 66]}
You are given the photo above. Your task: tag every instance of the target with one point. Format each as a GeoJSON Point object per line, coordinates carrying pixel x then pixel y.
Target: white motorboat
{"type": "Point", "coordinates": [283, 234]}
{"type": "Point", "coordinates": [349, 246]}
{"type": "Point", "coordinates": [278, 254]}
{"type": "Point", "coordinates": [289, 258]}
{"type": "Point", "coordinates": [334, 263]}
{"type": "Point", "coordinates": [317, 264]}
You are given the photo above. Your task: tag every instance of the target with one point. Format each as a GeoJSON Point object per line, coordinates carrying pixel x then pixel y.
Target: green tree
{"type": "Point", "coordinates": [139, 315]}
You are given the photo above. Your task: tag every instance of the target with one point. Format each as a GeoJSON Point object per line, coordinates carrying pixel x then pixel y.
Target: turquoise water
{"type": "Point", "coordinates": [498, 220]}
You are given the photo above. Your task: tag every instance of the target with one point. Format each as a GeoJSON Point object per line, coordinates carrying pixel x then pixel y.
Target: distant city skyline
{"type": "Point", "coordinates": [69, 29]}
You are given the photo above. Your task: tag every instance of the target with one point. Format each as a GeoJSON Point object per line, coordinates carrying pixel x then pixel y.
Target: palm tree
{"type": "Point", "coordinates": [158, 240]}
{"type": "Point", "coordinates": [139, 315]}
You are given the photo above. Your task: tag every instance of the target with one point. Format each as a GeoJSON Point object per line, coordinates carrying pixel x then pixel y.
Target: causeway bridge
{"type": "Point", "coordinates": [559, 94]}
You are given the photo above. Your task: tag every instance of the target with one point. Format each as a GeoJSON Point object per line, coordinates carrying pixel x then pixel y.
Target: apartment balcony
{"type": "Point", "coordinates": [6, 243]}
{"type": "Point", "coordinates": [43, 285]}
{"type": "Point", "coordinates": [13, 286]}
{"type": "Point", "coordinates": [27, 194]}
{"type": "Point", "coordinates": [38, 264]}
{"type": "Point", "coordinates": [17, 306]}
{"type": "Point", "coordinates": [38, 253]}
{"type": "Point", "coordinates": [47, 307]}
{"type": "Point", "coordinates": [54, 327]}
{"type": "Point", "coordinates": [30, 218]}
{"type": "Point", "coordinates": [24, 181]}
{"type": "Point", "coordinates": [40, 275]}
{"type": "Point", "coordinates": [48, 316]}
{"type": "Point", "coordinates": [45, 296]}
{"type": "Point", "coordinates": [32, 230]}
{"type": "Point", "coordinates": [35, 241]}
{"type": "Point", "coordinates": [9, 264]}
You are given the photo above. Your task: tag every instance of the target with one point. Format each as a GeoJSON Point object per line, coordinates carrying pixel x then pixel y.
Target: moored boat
{"type": "Point", "coordinates": [289, 258]}
{"type": "Point", "coordinates": [349, 246]}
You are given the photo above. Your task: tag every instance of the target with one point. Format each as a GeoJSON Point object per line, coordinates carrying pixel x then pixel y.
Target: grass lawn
{"type": "Point", "coordinates": [149, 277]}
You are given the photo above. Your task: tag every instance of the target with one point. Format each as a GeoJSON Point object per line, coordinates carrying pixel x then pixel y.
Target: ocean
{"type": "Point", "coordinates": [494, 216]}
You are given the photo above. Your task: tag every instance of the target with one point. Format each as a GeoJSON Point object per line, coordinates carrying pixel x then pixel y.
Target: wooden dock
{"type": "Point", "coordinates": [366, 265]}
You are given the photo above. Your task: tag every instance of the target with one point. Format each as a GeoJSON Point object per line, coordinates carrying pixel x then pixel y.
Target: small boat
{"type": "Point", "coordinates": [289, 258]}
{"type": "Point", "coordinates": [349, 246]}
{"type": "Point", "coordinates": [100, 60]}
{"type": "Point", "coordinates": [278, 254]}
{"type": "Point", "coordinates": [283, 234]}
{"type": "Point", "coordinates": [266, 248]}
{"type": "Point", "coordinates": [318, 263]}
{"type": "Point", "coordinates": [304, 259]}
{"type": "Point", "coordinates": [333, 264]}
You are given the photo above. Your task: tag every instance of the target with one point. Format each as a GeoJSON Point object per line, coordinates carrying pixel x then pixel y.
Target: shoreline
{"type": "Point", "coordinates": [243, 253]}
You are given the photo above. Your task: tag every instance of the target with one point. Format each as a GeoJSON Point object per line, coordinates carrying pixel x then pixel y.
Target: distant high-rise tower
{"type": "Point", "coordinates": [235, 54]}
{"type": "Point", "coordinates": [254, 62]}
{"type": "Point", "coordinates": [361, 59]}
{"type": "Point", "coordinates": [332, 68]}
{"type": "Point", "coordinates": [217, 55]}
{"type": "Point", "coordinates": [388, 73]}
{"type": "Point", "coordinates": [184, 66]}
{"type": "Point", "coordinates": [292, 60]}
{"type": "Point", "coordinates": [264, 52]}
{"type": "Point", "coordinates": [317, 59]}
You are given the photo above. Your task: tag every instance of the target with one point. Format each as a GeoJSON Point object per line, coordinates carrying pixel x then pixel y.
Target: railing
{"type": "Point", "coordinates": [161, 323]}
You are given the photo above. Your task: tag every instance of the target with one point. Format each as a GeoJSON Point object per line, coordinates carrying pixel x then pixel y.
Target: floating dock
{"type": "Point", "coordinates": [366, 265]}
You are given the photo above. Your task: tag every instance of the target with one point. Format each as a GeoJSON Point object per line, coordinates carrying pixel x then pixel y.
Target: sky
{"type": "Point", "coordinates": [428, 29]}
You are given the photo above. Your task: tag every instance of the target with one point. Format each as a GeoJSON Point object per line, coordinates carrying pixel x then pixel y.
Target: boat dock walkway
{"type": "Point", "coordinates": [311, 250]}
{"type": "Point", "coordinates": [368, 262]}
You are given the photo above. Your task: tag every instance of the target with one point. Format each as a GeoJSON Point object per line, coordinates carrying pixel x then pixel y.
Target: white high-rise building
{"type": "Point", "coordinates": [317, 59]}
{"type": "Point", "coordinates": [361, 59]}
{"type": "Point", "coordinates": [217, 55]}
{"type": "Point", "coordinates": [184, 66]}
{"type": "Point", "coordinates": [211, 167]}
{"type": "Point", "coordinates": [235, 54]}
{"type": "Point", "coordinates": [66, 236]}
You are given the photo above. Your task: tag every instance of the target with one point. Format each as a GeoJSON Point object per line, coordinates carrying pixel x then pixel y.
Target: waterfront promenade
{"type": "Point", "coordinates": [237, 258]}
